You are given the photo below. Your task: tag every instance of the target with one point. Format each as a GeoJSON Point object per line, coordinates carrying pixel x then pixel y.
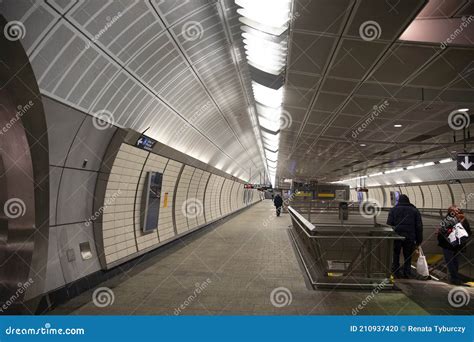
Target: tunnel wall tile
{"type": "Point", "coordinates": [181, 200]}
{"type": "Point", "coordinates": [203, 183]}
{"type": "Point", "coordinates": [193, 198]}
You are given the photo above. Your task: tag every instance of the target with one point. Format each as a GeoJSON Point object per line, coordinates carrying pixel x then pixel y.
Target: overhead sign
{"type": "Point", "coordinates": [145, 143]}
{"type": "Point", "coordinates": [257, 186]}
{"type": "Point", "coordinates": [465, 161]}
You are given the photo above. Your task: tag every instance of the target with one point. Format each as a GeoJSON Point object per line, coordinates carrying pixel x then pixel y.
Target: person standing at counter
{"type": "Point", "coordinates": [406, 221]}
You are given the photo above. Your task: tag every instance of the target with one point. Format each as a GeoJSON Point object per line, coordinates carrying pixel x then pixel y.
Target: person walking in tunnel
{"type": "Point", "coordinates": [453, 248]}
{"type": "Point", "coordinates": [406, 221]}
{"type": "Point", "coordinates": [278, 202]}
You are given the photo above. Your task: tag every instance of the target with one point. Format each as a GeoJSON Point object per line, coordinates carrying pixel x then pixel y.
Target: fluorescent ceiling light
{"type": "Point", "coordinates": [397, 125]}
{"type": "Point", "coordinates": [414, 166]}
{"type": "Point", "coordinates": [270, 15]}
{"type": "Point", "coordinates": [271, 155]}
{"type": "Point", "coordinates": [443, 161]}
{"type": "Point", "coordinates": [376, 174]}
{"type": "Point", "coordinates": [394, 170]}
{"type": "Point", "coordinates": [428, 164]}
{"type": "Point", "coordinates": [267, 96]}
{"type": "Point", "coordinates": [266, 44]}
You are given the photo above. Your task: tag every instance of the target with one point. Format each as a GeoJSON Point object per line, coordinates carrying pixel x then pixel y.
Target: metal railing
{"type": "Point", "coordinates": [350, 255]}
{"type": "Point", "coordinates": [309, 208]}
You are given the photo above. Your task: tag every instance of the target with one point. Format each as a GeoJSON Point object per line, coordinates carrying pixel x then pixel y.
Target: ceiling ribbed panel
{"type": "Point", "coordinates": [136, 60]}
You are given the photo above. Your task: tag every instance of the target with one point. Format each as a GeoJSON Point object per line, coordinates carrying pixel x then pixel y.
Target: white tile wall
{"type": "Point", "coordinates": [427, 196]}
{"type": "Point", "coordinates": [181, 198]}
{"type": "Point", "coordinates": [375, 195]}
{"type": "Point", "coordinates": [122, 233]}
{"type": "Point", "coordinates": [446, 197]}
{"type": "Point", "coordinates": [459, 195]}
{"type": "Point", "coordinates": [419, 197]}
{"type": "Point", "coordinates": [234, 197]}
{"type": "Point", "coordinates": [353, 193]}
{"type": "Point", "coordinates": [436, 196]}
{"type": "Point", "coordinates": [240, 196]}
{"type": "Point", "coordinates": [193, 196]}
{"type": "Point", "coordinates": [118, 228]}
{"type": "Point", "coordinates": [209, 199]}
{"type": "Point", "coordinates": [157, 164]}
{"type": "Point", "coordinates": [225, 196]}
{"type": "Point", "coordinates": [388, 203]}
{"type": "Point", "coordinates": [216, 197]}
{"type": "Point", "coordinates": [469, 192]}
{"type": "Point", "coordinates": [165, 221]}
{"type": "Point", "coordinates": [201, 219]}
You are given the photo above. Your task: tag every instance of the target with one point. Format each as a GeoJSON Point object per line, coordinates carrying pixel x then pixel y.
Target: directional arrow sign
{"type": "Point", "coordinates": [465, 161]}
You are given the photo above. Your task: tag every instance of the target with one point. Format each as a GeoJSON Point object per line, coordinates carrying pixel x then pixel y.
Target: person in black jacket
{"type": "Point", "coordinates": [406, 221]}
{"type": "Point", "coordinates": [278, 202]}
{"type": "Point", "coordinates": [451, 253]}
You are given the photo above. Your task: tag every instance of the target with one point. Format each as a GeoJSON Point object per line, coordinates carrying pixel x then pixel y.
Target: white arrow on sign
{"type": "Point", "coordinates": [466, 163]}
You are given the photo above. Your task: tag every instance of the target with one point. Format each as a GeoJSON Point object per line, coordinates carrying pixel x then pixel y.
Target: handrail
{"type": "Point", "coordinates": [309, 226]}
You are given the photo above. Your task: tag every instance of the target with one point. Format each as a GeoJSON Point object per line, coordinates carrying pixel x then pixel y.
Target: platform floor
{"type": "Point", "coordinates": [242, 261]}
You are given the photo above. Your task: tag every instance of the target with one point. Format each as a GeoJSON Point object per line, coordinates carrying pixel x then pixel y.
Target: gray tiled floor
{"type": "Point", "coordinates": [245, 261]}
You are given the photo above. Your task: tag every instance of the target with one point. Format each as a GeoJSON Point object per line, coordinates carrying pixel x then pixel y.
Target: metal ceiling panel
{"type": "Point", "coordinates": [136, 60]}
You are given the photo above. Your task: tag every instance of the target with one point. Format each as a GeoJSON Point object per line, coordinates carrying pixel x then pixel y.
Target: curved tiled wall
{"type": "Point", "coordinates": [425, 195]}
{"type": "Point", "coordinates": [80, 162]}
{"type": "Point", "coordinates": [213, 196]}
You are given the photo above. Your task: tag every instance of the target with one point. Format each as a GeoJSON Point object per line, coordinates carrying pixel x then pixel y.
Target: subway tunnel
{"type": "Point", "coordinates": [144, 145]}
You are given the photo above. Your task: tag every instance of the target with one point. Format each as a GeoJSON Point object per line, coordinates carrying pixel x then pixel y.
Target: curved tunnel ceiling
{"type": "Point", "coordinates": [167, 66]}
{"type": "Point", "coordinates": [338, 73]}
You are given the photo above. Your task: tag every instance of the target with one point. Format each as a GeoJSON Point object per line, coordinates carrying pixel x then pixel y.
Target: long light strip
{"type": "Point", "coordinates": [411, 167]}
{"type": "Point", "coordinates": [265, 36]}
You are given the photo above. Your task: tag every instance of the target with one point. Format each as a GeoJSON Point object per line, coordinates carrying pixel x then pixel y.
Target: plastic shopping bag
{"type": "Point", "coordinates": [458, 235]}
{"type": "Point", "coordinates": [422, 265]}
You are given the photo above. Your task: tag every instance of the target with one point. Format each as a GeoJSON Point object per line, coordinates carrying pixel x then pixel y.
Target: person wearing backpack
{"type": "Point", "coordinates": [451, 250]}
{"type": "Point", "coordinates": [406, 221]}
